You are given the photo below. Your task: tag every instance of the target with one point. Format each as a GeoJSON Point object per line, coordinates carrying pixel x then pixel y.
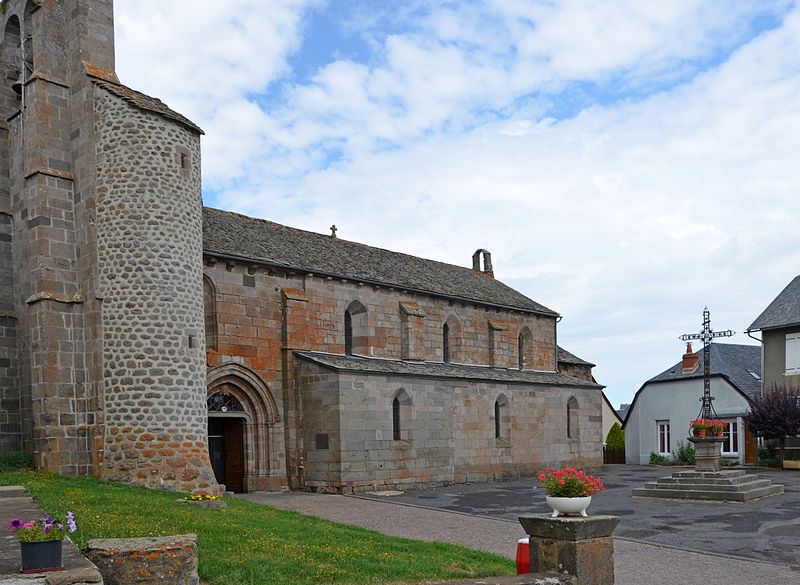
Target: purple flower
{"type": "Point", "coordinates": [14, 524]}
{"type": "Point", "coordinates": [71, 522]}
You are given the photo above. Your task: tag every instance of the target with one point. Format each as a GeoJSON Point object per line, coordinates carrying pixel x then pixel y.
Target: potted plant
{"type": "Point", "coordinates": [718, 427]}
{"type": "Point", "coordinates": [40, 541]}
{"type": "Point", "coordinates": [569, 491]}
{"type": "Point", "coordinates": [700, 426]}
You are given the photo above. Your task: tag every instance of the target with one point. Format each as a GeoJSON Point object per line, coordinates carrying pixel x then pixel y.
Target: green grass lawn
{"type": "Point", "coordinates": [252, 543]}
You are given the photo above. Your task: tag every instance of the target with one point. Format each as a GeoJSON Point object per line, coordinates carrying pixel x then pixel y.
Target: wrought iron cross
{"type": "Point", "coordinates": [706, 335]}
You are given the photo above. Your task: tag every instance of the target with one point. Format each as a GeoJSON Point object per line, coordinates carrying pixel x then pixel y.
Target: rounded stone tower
{"type": "Point", "coordinates": [104, 203]}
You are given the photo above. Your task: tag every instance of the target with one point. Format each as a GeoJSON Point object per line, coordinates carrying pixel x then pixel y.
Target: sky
{"type": "Point", "coordinates": [627, 163]}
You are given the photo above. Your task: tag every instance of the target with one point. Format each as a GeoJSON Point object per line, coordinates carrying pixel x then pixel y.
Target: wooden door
{"type": "Point", "coordinates": [216, 448]}
{"type": "Point", "coordinates": [750, 446]}
{"type": "Point", "coordinates": [233, 433]}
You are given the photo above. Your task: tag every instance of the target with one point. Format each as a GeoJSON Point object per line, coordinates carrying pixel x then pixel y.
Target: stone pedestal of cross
{"type": "Point", "coordinates": [707, 449]}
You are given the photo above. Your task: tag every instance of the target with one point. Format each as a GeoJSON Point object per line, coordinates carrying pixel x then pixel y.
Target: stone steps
{"type": "Point", "coordinates": [723, 486]}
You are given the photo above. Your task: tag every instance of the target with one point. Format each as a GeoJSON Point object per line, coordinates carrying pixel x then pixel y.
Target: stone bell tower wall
{"type": "Point", "coordinates": [149, 242]}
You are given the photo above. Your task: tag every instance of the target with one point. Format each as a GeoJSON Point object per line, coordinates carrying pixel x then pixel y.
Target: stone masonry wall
{"type": "Point", "coordinates": [10, 424]}
{"type": "Point", "coordinates": [263, 314]}
{"type": "Point", "coordinates": [451, 437]}
{"type": "Point", "coordinates": [150, 268]}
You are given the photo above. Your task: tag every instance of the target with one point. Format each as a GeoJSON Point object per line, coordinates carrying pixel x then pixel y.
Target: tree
{"type": "Point", "coordinates": [776, 415]}
{"type": "Point", "coordinates": [616, 437]}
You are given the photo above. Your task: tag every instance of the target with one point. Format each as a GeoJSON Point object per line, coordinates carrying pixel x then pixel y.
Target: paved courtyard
{"type": "Point", "coordinates": [767, 530]}
{"type": "Point", "coordinates": [657, 541]}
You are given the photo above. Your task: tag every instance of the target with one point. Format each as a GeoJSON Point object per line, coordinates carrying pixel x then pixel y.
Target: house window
{"type": "Point", "coordinates": [792, 353]}
{"type": "Point", "coordinates": [730, 445]}
{"type": "Point", "coordinates": [446, 343]}
{"type": "Point", "coordinates": [572, 418]}
{"type": "Point", "coordinates": [664, 446]}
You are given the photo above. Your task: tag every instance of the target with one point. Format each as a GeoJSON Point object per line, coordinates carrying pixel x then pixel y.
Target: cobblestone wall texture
{"type": "Point", "coordinates": [150, 266]}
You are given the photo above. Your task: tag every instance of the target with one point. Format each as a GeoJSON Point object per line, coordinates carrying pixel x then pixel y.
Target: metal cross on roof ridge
{"type": "Point", "coordinates": [706, 335]}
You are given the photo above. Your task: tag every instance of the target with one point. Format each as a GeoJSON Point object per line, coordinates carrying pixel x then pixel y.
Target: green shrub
{"type": "Point", "coordinates": [656, 459]}
{"type": "Point", "coordinates": [684, 454]}
{"type": "Point", "coordinates": [768, 456]}
{"type": "Point", "coordinates": [16, 461]}
{"type": "Point", "coordinates": [616, 437]}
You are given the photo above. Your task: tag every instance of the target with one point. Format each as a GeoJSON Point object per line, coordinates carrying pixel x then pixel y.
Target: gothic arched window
{"type": "Point", "coordinates": [572, 418]}
{"type": "Point", "coordinates": [445, 343]}
{"type": "Point", "coordinates": [356, 329]}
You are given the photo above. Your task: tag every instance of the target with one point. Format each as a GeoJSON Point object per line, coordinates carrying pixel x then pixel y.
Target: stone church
{"type": "Point", "coordinates": [147, 339]}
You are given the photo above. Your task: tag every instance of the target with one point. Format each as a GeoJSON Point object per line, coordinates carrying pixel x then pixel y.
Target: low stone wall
{"type": "Point", "coordinates": [146, 561]}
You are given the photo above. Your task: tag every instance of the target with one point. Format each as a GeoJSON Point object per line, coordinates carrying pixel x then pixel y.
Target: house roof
{"type": "Point", "coordinates": [783, 311]}
{"type": "Point", "coordinates": [733, 362]}
{"type": "Point", "coordinates": [569, 358]}
{"type": "Point", "coordinates": [247, 238]}
{"type": "Point", "coordinates": [108, 81]}
{"type": "Point", "coordinates": [439, 370]}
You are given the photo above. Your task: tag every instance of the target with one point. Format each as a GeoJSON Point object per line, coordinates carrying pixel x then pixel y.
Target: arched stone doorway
{"type": "Point", "coordinates": [245, 436]}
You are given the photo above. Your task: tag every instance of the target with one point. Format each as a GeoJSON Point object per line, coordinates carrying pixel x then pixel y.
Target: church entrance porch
{"type": "Point", "coordinates": [245, 434]}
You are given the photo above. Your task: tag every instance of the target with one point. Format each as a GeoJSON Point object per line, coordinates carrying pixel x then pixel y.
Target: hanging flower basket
{"type": "Point", "coordinates": [700, 426]}
{"type": "Point", "coordinates": [719, 426]}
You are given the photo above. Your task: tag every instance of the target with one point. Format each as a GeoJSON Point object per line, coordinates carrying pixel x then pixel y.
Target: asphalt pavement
{"type": "Point", "coordinates": [657, 542]}
{"type": "Point", "coordinates": [764, 530]}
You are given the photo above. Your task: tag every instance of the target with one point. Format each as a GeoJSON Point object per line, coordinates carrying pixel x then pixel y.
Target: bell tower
{"type": "Point", "coordinates": [101, 307]}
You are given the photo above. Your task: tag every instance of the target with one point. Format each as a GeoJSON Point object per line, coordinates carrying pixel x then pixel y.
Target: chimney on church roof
{"type": "Point", "coordinates": [690, 360]}
{"type": "Point", "coordinates": [487, 262]}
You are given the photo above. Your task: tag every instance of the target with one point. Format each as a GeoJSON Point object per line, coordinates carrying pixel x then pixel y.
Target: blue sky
{"type": "Point", "coordinates": [626, 162]}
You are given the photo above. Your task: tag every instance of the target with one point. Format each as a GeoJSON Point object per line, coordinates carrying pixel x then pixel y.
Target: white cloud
{"type": "Point", "coordinates": [627, 218]}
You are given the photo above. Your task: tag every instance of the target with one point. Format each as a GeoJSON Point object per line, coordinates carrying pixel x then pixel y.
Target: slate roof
{"type": "Point", "coordinates": [108, 81]}
{"type": "Point", "coordinates": [733, 361]}
{"type": "Point", "coordinates": [569, 358]}
{"type": "Point", "coordinates": [781, 312]}
{"type": "Point", "coordinates": [238, 236]}
{"type": "Point", "coordinates": [439, 370]}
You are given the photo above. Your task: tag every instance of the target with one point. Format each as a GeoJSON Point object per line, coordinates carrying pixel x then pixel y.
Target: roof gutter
{"type": "Point", "coordinates": [245, 260]}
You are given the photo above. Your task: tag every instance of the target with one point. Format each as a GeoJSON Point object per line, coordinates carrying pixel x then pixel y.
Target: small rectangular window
{"type": "Point", "coordinates": [730, 445]}
{"type": "Point", "coordinates": [793, 353]}
{"type": "Point", "coordinates": [664, 447]}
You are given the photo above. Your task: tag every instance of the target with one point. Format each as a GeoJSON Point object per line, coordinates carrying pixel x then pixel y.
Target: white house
{"type": "Point", "coordinates": [662, 409]}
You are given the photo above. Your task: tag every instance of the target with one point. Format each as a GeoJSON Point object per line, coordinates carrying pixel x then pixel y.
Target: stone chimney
{"type": "Point", "coordinates": [487, 263]}
{"type": "Point", "coordinates": [691, 360]}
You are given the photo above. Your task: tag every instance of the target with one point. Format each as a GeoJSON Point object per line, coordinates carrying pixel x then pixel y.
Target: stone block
{"type": "Point", "coordinates": [582, 547]}
{"type": "Point", "coordinates": [146, 561]}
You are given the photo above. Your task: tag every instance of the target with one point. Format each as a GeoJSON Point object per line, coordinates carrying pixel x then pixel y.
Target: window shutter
{"type": "Point", "coordinates": [793, 353]}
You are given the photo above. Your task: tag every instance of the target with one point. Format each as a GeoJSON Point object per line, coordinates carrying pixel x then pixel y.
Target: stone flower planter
{"type": "Point", "coordinates": [567, 506]}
